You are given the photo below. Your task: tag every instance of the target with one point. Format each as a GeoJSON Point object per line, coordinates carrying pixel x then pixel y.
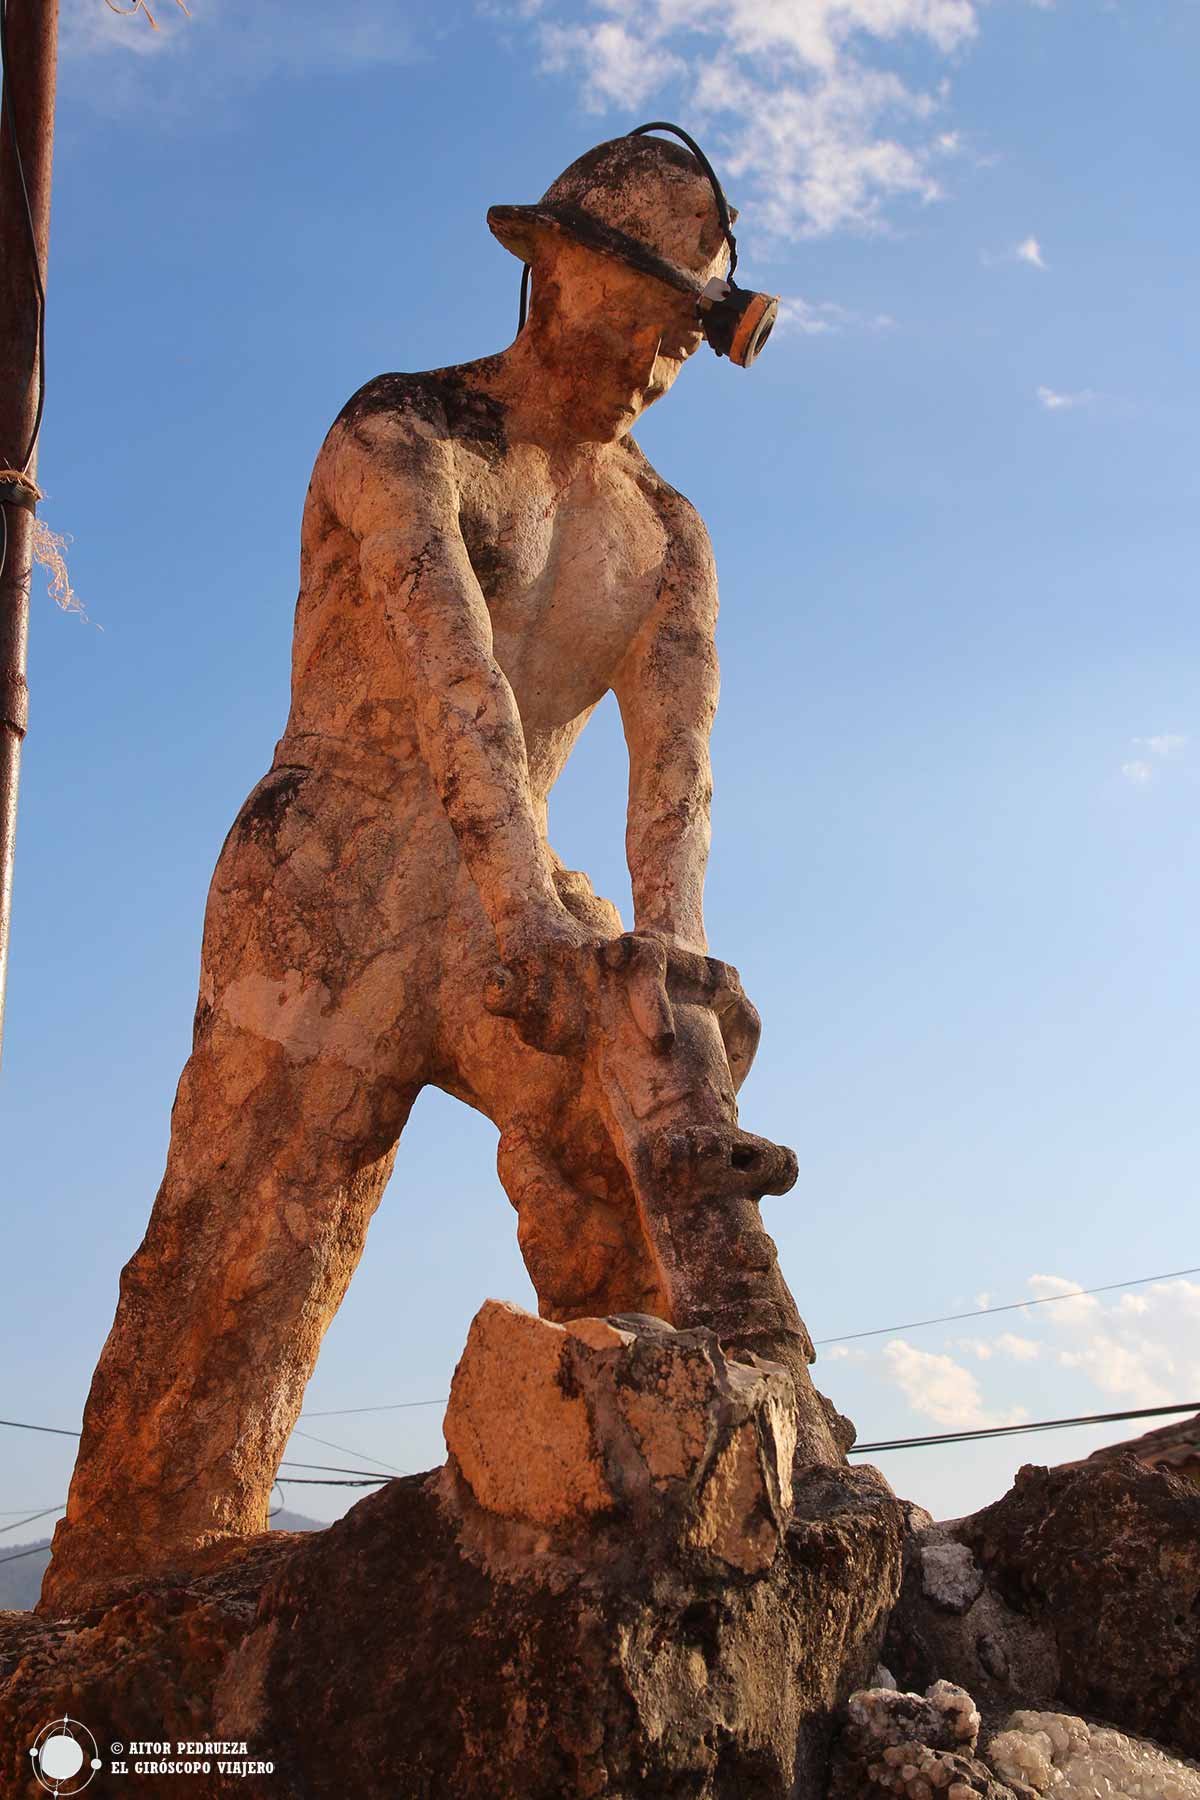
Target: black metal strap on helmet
{"type": "Point", "coordinates": [718, 191]}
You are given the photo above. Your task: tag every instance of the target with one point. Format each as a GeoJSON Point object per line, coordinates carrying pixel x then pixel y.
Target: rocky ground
{"type": "Point", "coordinates": [614, 1588]}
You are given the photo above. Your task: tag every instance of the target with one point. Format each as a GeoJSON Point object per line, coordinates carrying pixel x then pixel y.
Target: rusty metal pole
{"type": "Point", "coordinates": [31, 33]}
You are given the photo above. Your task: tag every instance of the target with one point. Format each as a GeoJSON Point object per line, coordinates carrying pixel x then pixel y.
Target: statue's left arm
{"type": "Point", "coordinates": [667, 688]}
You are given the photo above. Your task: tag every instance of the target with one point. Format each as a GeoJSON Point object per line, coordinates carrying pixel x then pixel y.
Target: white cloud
{"type": "Point", "coordinates": [1056, 402]}
{"type": "Point", "coordinates": [815, 318]}
{"type": "Point", "coordinates": [1030, 251]}
{"type": "Point", "coordinates": [804, 108]}
{"type": "Point", "coordinates": [1143, 1349]}
{"type": "Point", "coordinates": [938, 1388]}
{"type": "Point", "coordinates": [1077, 1307]}
{"type": "Point", "coordinates": [1008, 1343]}
{"type": "Point", "coordinates": [1170, 743]}
{"type": "Point", "coordinates": [618, 69]}
{"type": "Point", "coordinates": [1021, 1349]}
{"type": "Point", "coordinates": [1163, 748]}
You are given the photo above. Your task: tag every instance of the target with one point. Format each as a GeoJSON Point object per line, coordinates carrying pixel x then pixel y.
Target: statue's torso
{"type": "Point", "coordinates": [569, 563]}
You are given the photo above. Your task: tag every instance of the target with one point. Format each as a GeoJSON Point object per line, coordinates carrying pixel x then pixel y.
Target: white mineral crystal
{"type": "Point", "coordinates": [1060, 1755]}
{"type": "Point", "coordinates": [958, 1706]}
{"type": "Point", "coordinates": [891, 1718]}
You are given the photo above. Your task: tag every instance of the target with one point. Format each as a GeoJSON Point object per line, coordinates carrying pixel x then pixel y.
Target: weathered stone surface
{"type": "Point", "coordinates": [538, 1672]}
{"type": "Point", "coordinates": [485, 554]}
{"type": "Point", "coordinates": [424, 1649]}
{"type": "Point", "coordinates": [518, 1430]}
{"type": "Point", "coordinates": [553, 1424]}
{"type": "Point", "coordinates": [1090, 1599]}
{"type": "Point", "coordinates": [1106, 1559]}
{"type": "Point", "coordinates": [1174, 1447]}
{"type": "Point", "coordinates": [950, 1576]}
{"type": "Point", "coordinates": [619, 1584]}
{"type": "Point", "coordinates": [141, 1669]}
{"type": "Point", "coordinates": [992, 1649]}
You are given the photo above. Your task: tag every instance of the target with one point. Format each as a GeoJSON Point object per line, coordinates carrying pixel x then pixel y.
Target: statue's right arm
{"type": "Point", "coordinates": [389, 479]}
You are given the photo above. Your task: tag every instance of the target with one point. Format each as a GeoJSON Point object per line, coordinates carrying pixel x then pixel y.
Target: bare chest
{"type": "Point", "coordinates": [569, 571]}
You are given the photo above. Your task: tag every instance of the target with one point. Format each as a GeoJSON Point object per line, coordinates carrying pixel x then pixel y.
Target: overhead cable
{"type": "Point", "coordinates": [996, 1431]}
{"type": "Point", "coordinates": [981, 1312]}
{"type": "Point", "coordinates": [44, 1514]}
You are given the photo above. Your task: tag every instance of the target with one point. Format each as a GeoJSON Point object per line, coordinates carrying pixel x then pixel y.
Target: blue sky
{"type": "Point", "coordinates": [954, 512]}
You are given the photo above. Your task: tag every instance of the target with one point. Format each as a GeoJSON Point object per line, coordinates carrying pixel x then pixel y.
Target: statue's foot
{"type": "Point", "coordinates": [90, 1570]}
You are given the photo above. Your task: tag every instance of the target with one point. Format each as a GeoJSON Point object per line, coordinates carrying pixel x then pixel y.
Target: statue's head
{"type": "Point", "coordinates": [628, 252]}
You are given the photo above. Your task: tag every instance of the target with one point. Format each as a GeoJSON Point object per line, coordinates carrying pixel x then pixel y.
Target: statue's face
{"type": "Point", "coordinates": [619, 337]}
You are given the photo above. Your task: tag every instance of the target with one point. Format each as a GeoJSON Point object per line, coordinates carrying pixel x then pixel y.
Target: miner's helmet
{"type": "Point", "coordinates": [660, 209]}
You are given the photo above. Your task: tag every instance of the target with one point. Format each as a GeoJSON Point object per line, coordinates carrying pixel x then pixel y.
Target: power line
{"type": "Point", "coordinates": [311, 1481]}
{"type": "Point", "coordinates": [846, 1337]}
{"type": "Point", "coordinates": [994, 1431]}
{"type": "Point", "coordinates": [341, 1412]}
{"type": "Point", "coordinates": [16, 1556]}
{"type": "Point", "coordinates": [44, 1514]}
{"type": "Point", "coordinates": [347, 1450]}
{"type": "Point", "coordinates": [20, 1425]}
{"type": "Point", "coordinates": [1012, 1306]}
{"type": "Point", "coordinates": [332, 1469]}
{"type": "Point", "coordinates": [335, 1469]}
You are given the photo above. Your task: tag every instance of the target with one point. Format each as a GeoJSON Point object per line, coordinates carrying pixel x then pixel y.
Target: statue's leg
{"type": "Point", "coordinates": [576, 1221]}
{"type": "Point", "coordinates": [283, 1135]}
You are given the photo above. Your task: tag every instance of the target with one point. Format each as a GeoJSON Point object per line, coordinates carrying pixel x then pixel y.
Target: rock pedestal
{"type": "Point", "coordinates": [616, 1586]}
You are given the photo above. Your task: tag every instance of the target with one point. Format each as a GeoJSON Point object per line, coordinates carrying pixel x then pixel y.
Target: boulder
{"type": "Point", "coordinates": [1080, 1588]}
{"type": "Point", "coordinates": [563, 1425]}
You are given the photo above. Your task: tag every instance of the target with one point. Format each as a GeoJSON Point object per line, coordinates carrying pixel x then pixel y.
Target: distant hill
{"type": "Point", "coordinates": [21, 1579]}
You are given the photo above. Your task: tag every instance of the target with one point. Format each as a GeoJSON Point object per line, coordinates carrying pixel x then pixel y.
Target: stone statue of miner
{"type": "Point", "coordinates": [485, 553]}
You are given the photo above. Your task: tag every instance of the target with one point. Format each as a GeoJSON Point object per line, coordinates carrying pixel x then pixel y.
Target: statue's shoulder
{"type": "Point", "coordinates": [686, 530]}
{"type": "Point", "coordinates": [436, 403]}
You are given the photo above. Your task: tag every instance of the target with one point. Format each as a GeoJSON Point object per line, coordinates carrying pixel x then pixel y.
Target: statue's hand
{"type": "Point", "coordinates": [543, 985]}
{"type": "Point", "coordinates": [553, 975]}
{"type": "Point", "coordinates": [550, 986]}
